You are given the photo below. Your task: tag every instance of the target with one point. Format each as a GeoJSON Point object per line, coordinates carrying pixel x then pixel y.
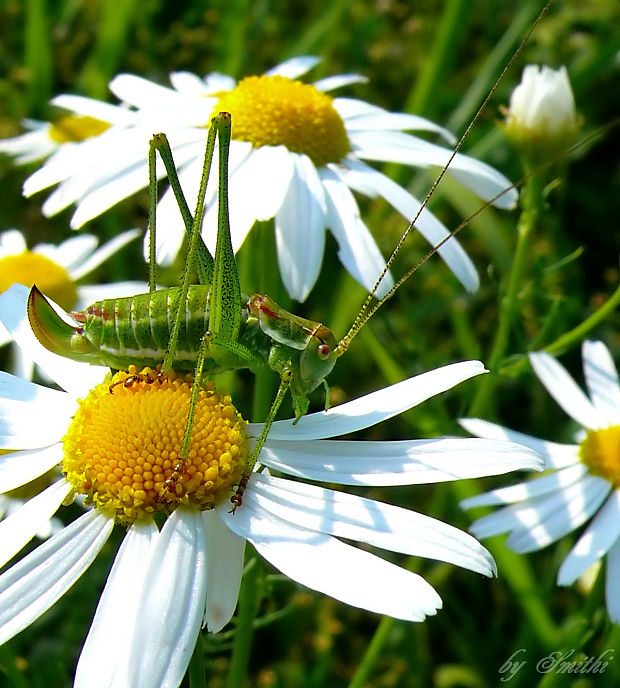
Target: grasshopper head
{"type": "Point", "coordinates": [54, 333]}
{"type": "Point", "coordinates": [305, 344]}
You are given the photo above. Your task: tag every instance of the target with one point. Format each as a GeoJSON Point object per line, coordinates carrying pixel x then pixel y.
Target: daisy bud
{"type": "Point", "coordinates": [541, 117]}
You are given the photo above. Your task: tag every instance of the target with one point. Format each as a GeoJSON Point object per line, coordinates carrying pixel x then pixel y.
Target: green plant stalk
{"type": "Point", "coordinates": [531, 200]}
{"type": "Point", "coordinates": [373, 652]}
{"type": "Point", "coordinates": [250, 597]}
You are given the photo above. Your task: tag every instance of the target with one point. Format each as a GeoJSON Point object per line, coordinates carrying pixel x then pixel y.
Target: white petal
{"type": "Point", "coordinates": [89, 293]}
{"type": "Point", "coordinates": [541, 521]}
{"type": "Point", "coordinates": [383, 120]}
{"type": "Point", "coordinates": [528, 490]}
{"type": "Point", "coordinates": [103, 253]}
{"type": "Point", "coordinates": [111, 630]}
{"type": "Point", "coordinates": [32, 585]}
{"type": "Point", "coordinates": [366, 180]}
{"type": "Point", "coordinates": [365, 520]}
{"type": "Point", "coordinates": [12, 243]}
{"type": "Point", "coordinates": [141, 92]}
{"type": "Point", "coordinates": [216, 82]}
{"type": "Point", "coordinates": [171, 605]}
{"type": "Point", "coordinates": [612, 583]}
{"type": "Point", "coordinates": [225, 552]}
{"type": "Point", "coordinates": [599, 537]}
{"type": "Point", "coordinates": [189, 83]}
{"type": "Point", "coordinates": [30, 147]}
{"type": "Point", "coordinates": [24, 523]}
{"type": "Point", "coordinates": [300, 229]}
{"type": "Point", "coordinates": [602, 380]}
{"type": "Point", "coordinates": [112, 114]}
{"type": "Point", "coordinates": [263, 180]}
{"type": "Point", "coordinates": [565, 390]}
{"type": "Point", "coordinates": [294, 67]}
{"type": "Point", "coordinates": [331, 83]}
{"type": "Point", "coordinates": [357, 249]}
{"type": "Point", "coordinates": [21, 467]}
{"type": "Point", "coordinates": [70, 252]}
{"type": "Point", "coordinates": [376, 407]}
{"type": "Point", "coordinates": [407, 462]}
{"type": "Point", "coordinates": [327, 565]}
{"type": "Point", "coordinates": [555, 455]}
{"type": "Point", "coordinates": [395, 146]}
{"type": "Point", "coordinates": [74, 377]}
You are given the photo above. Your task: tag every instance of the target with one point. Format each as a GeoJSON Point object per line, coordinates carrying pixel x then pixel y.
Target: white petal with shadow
{"type": "Point", "coordinates": [32, 585]}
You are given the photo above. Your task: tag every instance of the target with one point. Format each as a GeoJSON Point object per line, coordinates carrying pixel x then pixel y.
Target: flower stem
{"type": "Point", "coordinates": [373, 652]}
{"type": "Point", "coordinates": [531, 201]}
{"type": "Point", "coordinates": [249, 601]}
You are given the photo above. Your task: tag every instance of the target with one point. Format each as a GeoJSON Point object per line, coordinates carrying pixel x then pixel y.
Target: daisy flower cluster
{"type": "Point", "coordinates": [116, 439]}
{"type": "Point", "coordinates": [297, 155]}
{"type": "Point", "coordinates": [582, 481]}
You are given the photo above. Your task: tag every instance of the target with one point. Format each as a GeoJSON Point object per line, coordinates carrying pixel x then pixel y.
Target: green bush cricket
{"type": "Point", "coordinates": [211, 327]}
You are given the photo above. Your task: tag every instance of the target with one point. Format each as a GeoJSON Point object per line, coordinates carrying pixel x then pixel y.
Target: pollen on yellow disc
{"type": "Point", "coordinates": [29, 268]}
{"type": "Point", "coordinates": [76, 128]}
{"type": "Point", "coordinates": [600, 451]}
{"type": "Point", "coordinates": [125, 440]}
{"type": "Point", "coordinates": [275, 110]}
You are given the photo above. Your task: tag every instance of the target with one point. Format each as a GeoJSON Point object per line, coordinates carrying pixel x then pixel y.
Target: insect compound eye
{"type": "Point", "coordinates": [324, 350]}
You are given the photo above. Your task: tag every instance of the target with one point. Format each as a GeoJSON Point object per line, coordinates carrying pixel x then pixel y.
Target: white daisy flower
{"type": "Point", "coordinates": [118, 446]}
{"type": "Point", "coordinates": [584, 481]}
{"type": "Point", "coordinates": [296, 156]}
{"type": "Point", "coordinates": [56, 270]}
{"type": "Point", "coordinates": [88, 119]}
{"type": "Point", "coordinates": [542, 109]}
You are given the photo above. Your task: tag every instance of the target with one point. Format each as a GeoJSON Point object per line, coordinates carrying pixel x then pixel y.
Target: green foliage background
{"type": "Point", "coordinates": [437, 59]}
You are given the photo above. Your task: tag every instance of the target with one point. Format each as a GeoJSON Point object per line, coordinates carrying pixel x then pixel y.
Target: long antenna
{"type": "Point", "coordinates": [365, 314]}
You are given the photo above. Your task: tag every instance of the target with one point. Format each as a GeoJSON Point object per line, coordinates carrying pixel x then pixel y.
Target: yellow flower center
{"type": "Point", "coordinates": [76, 128]}
{"type": "Point", "coordinates": [28, 268]}
{"type": "Point", "coordinates": [600, 451]}
{"type": "Point", "coordinates": [275, 110]}
{"type": "Point", "coordinates": [125, 441]}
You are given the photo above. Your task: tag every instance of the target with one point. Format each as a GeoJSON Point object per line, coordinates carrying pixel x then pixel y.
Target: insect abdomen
{"type": "Point", "coordinates": [136, 329]}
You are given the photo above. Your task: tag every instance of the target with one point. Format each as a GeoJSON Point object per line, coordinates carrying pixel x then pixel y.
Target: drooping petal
{"type": "Point", "coordinates": [32, 585]}
{"type": "Point", "coordinates": [406, 462]}
{"type": "Point", "coordinates": [599, 537]}
{"type": "Point", "coordinates": [371, 182]}
{"type": "Point", "coordinates": [555, 455]}
{"type": "Point", "coordinates": [325, 564]}
{"type": "Point", "coordinates": [528, 490]}
{"type": "Point", "coordinates": [602, 380]}
{"type": "Point", "coordinates": [365, 520]}
{"type": "Point", "coordinates": [112, 626]}
{"type": "Point", "coordinates": [300, 229]}
{"type": "Point", "coordinates": [376, 407]}
{"type": "Point", "coordinates": [612, 588]}
{"type": "Point", "coordinates": [25, 522]}
{"type": "Point", "coordinates": [171, 603]}
{"type": "Point", "coordinates": [565, 390]}
{"type": "Point", "coordinates": [225, 552]}
{"type": "Point", "coordinates": [357, 249]}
